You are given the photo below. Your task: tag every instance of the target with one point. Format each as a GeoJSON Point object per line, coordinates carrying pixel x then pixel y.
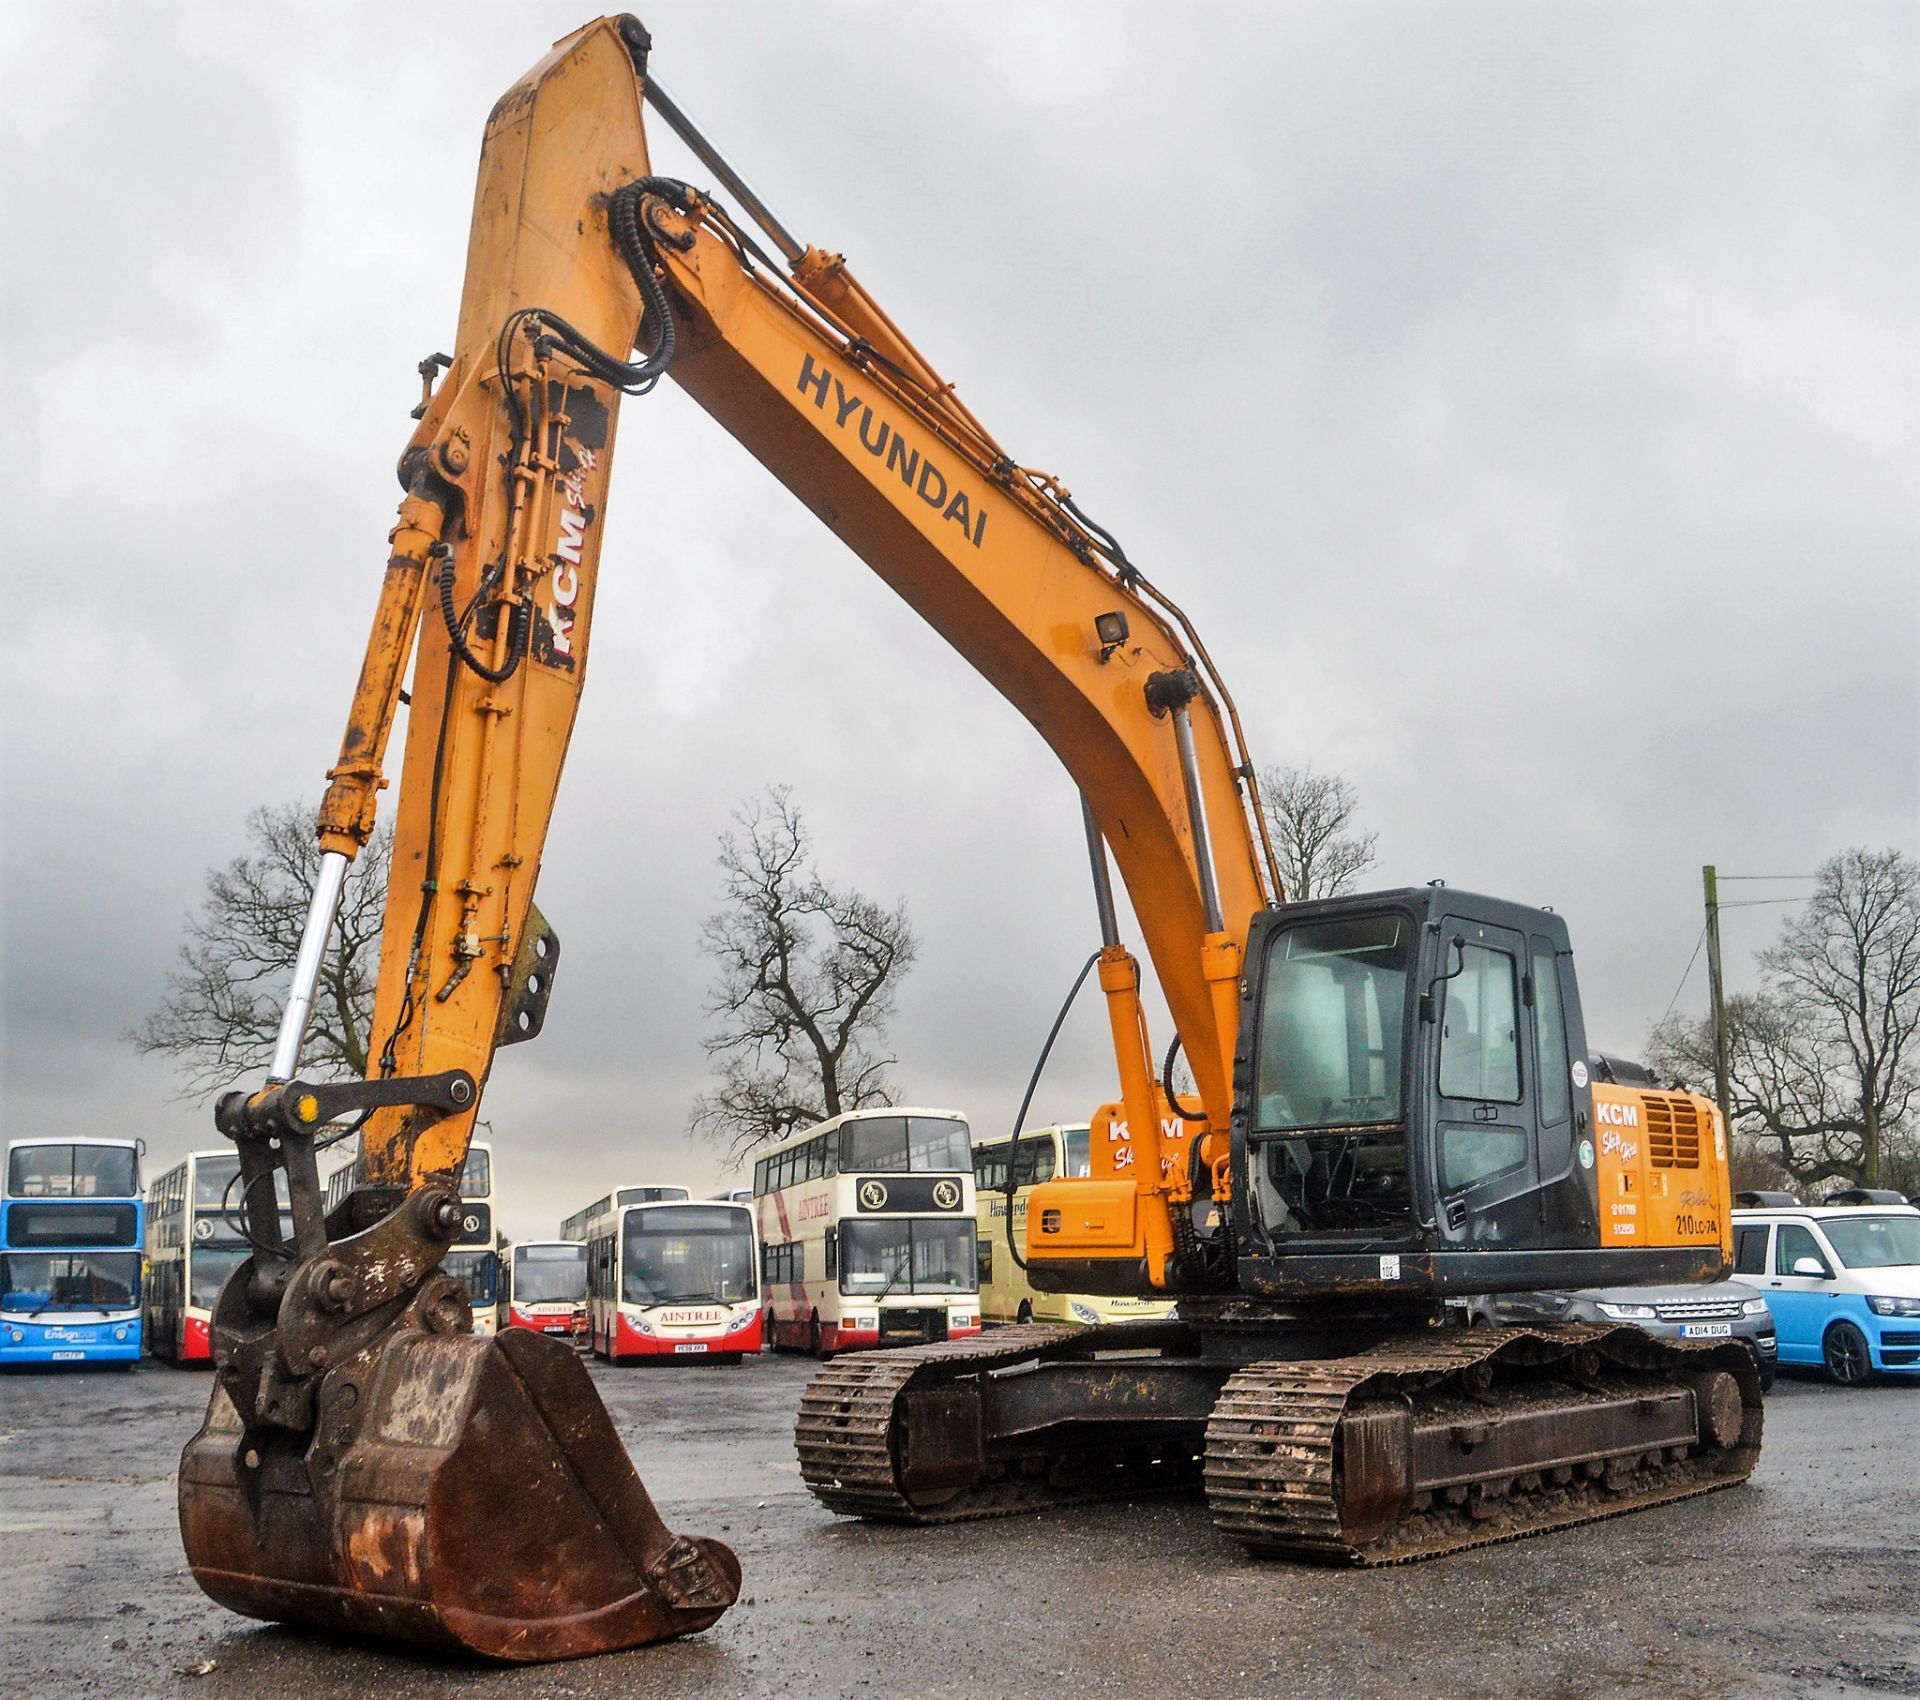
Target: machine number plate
{"type": "Point", "coordinates": [1706, 1330]}
{"type": "Point", "coordinates": [691, 1346]}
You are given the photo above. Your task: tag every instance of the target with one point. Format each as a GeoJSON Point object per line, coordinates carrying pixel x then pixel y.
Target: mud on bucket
{"type": "Point", "coordinates": [456, 1493]}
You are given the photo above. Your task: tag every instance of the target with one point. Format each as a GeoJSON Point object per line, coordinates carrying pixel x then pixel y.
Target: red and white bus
{"type": "Point", "coordinates": [546, 1287]}
{"type": "Point", "coordinates": [195, 1240]}
{"type": "Point", "coordinates": [867, 1229]}
{"type": "Point", "coordinates": [670, 1279]}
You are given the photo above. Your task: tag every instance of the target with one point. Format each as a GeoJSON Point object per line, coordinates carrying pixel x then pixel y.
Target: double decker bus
{"type": "Point", "coordinates": [867, 1231]}
{"type": "Point", "coordinates": [72, 1224]}
{"type": "Point", "coordinates": [196, 1238]}
{"type": "Point", "coordinates": [546, 1287]}
{"type": "Point", "coordinates": [1039, 1155]}
{"type": "Point", "coordinates": [668, 1277]}
{"type": "Point", "coordinates": [474, 1258]}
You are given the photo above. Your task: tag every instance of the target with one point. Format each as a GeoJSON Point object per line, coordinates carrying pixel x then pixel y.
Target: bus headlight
{"type": "Point", "coordinates": [639, 1326]}
{"type": "Point", "coordinates": [17, 1335]}
{"type": "Point", "coordinates": [741, 1321]}
{"type": "Point", "coordinates": [1083, 1313]}
{"type": "Point", "coordinates": [119, 1334]}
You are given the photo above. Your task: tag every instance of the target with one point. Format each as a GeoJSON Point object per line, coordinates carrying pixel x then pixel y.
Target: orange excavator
{"type": "Point", "coordinates": [1390, 1103]}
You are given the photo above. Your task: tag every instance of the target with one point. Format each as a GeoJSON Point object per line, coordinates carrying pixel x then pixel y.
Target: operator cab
{"type": "Point", "coordinates": [1409, 1110]}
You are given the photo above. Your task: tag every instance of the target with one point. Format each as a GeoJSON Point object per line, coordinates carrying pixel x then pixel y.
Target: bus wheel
{"type": "Point", "coordinates": [813, 1341]}
{"type": "Point", "coordinates": [1025, 1314]}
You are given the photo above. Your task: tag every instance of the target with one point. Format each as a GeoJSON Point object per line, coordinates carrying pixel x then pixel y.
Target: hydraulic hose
{"type": "Point", "coordinates": [1026, 1103]}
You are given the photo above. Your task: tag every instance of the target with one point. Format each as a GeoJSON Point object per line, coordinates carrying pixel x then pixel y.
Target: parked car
{"type": "Point", "coordinates": [1843, 1283]}
{"type": "Point", "coordinates": [1717, 1310]}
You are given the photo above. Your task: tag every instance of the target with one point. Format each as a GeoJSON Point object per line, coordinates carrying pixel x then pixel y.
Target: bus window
{"type": "Point", "coordinates": [894, 1143]}
{"type": "Point", "coordinates": [908, 1255]}
{"type": "Point", "coordinates": [476, 1174]}
{"type": "Point", "coordinates": [1079, 1152]}
{"type": "Point", "coordinates": [72, 1171]}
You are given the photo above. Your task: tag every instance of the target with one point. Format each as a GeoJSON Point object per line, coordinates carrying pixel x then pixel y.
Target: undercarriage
{"type": "Point", "coordinates": [1421, 1441]}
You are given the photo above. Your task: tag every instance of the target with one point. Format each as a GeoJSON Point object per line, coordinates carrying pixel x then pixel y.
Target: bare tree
{"type": "Point", "coordinates": [1825, 1066]}
{"type": "Point", "coordinates": [807, 976]}
{"type": "Point", "coordinates": [1310, 816]}
{"type": "Point", "coordinates": [221, 1012]}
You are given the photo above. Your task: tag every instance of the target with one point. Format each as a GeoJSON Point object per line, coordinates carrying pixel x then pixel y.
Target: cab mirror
{"type": "Point", "coordinates": [1811, 1266]}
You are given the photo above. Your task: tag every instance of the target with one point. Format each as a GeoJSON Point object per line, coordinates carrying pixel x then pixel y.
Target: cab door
{"type": "Point", "coordinates": [1486, 1158]}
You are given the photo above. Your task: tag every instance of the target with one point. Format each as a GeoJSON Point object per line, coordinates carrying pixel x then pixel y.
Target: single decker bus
{"type": "Point", "coordinates": [1006, 1296]}
{"type": "Point", "coordinates": [669, 1278]}
{"type": "Point", "coordinates": [196, 1238]}
{"type": "Point", "coordinates": [867, 1231]}
{"type": "Point", "coordinates": [546, 1287]}
{"type": "Point", "coordinates": [72, 1226]}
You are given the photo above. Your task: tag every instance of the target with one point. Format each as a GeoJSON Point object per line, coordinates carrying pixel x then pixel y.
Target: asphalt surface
{"type": "Point", "coordinates": [1804, 1582]}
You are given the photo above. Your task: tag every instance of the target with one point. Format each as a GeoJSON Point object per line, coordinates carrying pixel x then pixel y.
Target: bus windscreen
{"type": "Point", "coordinates": [908, 1255]}
{"type": "Point", "coordinates": [72, 1171]}
{"type": "Point", "coordinates": [34, 1283]}
{"type": "Point", "coordinates": [681, 1254]}
{"type": "Point", "coordinates": [549, 1274]}
{"type": "Point", "coordinates": [899, 1144]}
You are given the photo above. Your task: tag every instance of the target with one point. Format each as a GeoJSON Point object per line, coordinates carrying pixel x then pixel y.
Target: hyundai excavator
{"type": "Point", "coordinates": [1389, 1105]}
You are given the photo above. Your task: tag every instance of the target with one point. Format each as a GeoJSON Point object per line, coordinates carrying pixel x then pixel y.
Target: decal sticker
{"type": "Point", "coordinates": [1390, 1267]}
{"type": "Point", "coordinates": [1586, 1153]}
{"type": "Point", "coordinates": [1580, 1074]}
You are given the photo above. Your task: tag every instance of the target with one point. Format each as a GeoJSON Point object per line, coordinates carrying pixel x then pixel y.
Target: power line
{"type": "Point", "coordinates": [1758, 902]}
{"type": "Point", "coordinates": [1677, 990]}
{"type": "Point", "coordinates": [1769, 877]}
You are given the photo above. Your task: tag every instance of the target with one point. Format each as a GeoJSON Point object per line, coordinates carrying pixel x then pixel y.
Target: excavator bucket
{"type": "Point", "coordinates": [456, 1493]}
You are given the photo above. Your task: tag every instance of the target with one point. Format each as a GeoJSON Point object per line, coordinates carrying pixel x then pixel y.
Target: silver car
{"type": "Point", "coordinates": [1722, 1310]}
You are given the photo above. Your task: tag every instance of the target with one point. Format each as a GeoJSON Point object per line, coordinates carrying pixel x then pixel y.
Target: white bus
{"type": "Point", "coordinates": [474, 1260]}
{"type": "Point", "coordinates": [669, 1278]}
{"type": "Point", "coordinates": [1005, 1295]}
{"type": "Point", "coordinates": [867, 1231]}
{"type": "Point", "coordinates": [546, 1287]}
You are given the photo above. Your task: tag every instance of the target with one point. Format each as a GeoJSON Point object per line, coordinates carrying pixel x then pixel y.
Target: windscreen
{"type": "Point", "coordinates": [479, 1273]}
{"type": "Point", "coordinates": [1332, 1022]}
{"type": "Point", "coordinates": [208, 1271]}
{"type": "Point", "coordinates": [34, 1283]}
{"type": "Point", "coordinates": [1875, 1242]}
{"type": "Point", "coordinates": [216, 1182]}
{"type": "Point", "coordinates": [905, 1254]}
{"type": "Point", "coordinates": [549, 1274]}
{"type": "Point", "coordinates": [476, 1174]}
{"type": "Point", "coordinates": [73, 1171]}
{"type": "Point", "coordinates": [898, 1144]}
{"type": "Point", "coordinates": [680, 1254]}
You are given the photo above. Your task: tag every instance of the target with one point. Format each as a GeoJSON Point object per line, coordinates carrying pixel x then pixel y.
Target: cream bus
{"type": "Point", "coordinates": [1041, 1154]}
{"type": "Point", "coordinates": [867, 1231]}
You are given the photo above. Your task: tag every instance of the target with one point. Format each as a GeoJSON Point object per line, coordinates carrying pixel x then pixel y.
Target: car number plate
{"type": "Point", "coordinates": [68, 1357]}
{"type": "Point", "coordinates": [691, 1346]}
{"type": "Point", "coordinates": [1707, 1330]}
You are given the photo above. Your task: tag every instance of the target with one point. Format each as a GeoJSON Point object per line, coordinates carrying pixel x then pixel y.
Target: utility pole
{"type": "Point", "coordinates": [1722, 1088]}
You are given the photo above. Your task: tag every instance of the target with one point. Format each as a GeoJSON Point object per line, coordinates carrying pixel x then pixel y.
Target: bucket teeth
{"type": "Point", "coordinates": [476, 1498]}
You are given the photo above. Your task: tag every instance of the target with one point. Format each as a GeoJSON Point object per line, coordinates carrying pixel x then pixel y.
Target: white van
{"type": "Point", "coordinates": [1843, 1284]}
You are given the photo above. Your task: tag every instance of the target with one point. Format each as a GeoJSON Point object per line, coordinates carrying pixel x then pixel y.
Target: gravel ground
{"type": "Point", "coordinates": [1804, 1582]}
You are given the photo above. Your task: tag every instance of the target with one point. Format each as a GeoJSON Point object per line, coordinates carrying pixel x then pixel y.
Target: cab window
{"type": "Point", "coordinates": [1479, 1033]}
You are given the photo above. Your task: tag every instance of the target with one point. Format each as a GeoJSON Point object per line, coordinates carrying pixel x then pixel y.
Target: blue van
{"type": "Point", "coordinates": [1843, 1284]}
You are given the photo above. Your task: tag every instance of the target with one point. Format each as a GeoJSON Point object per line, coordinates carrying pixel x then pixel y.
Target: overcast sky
{"type": "Point", "coordinates": [1520, 398]}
